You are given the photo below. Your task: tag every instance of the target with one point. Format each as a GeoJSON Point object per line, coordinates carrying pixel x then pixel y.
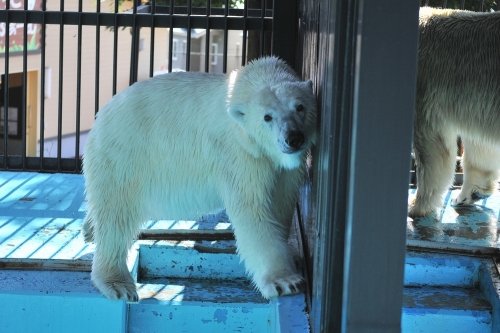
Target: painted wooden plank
{"type": "Point", "coordinates": [445, 310]}
{"type": "Point", "coordinates": [190, 318]}
{"type": "Point", "coordinates": [434, 269]}
{"type": "Point", "coordinates": [471, 228]}
{"type": "Point", "coordinates": [46, 264]}
{"type": "Point", "coordinates": [162, 259]}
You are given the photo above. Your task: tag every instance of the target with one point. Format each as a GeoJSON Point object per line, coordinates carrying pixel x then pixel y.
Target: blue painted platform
{"type": "Point", "coordinates": [194, 286]}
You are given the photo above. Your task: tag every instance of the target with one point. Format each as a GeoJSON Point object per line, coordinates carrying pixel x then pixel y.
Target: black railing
{"type": "Point", "coordinates": [42, 145]}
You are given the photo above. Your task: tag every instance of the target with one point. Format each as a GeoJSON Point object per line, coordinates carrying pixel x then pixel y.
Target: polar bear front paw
{"type": "Point", "coordinates": [116, 288]}
{"type": "Point", "coordinates": [284, 285]}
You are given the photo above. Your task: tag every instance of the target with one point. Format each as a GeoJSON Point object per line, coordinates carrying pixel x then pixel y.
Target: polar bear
{"type": "Point", "coordinates": [183, 144]}
{"type": "Point", "coordinates": [458, 94]}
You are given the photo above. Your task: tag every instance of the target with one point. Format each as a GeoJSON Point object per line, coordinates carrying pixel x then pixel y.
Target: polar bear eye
{"type": "Point", "coordinates": [268, 118]}
{"type": "Point", "coordinates": [299, 108]}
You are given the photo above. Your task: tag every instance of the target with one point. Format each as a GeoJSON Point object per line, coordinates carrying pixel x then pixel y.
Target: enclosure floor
{"type": "Point", "coordinates": [41, 216]}
{"type": "Point", "coordinates": [462, 227]}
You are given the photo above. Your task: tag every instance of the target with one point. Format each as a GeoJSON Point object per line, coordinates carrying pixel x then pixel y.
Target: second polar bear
{"type": "Point", "coordinates": [183, 144]}
{"type": "Point", "coordinates": [458, 94]}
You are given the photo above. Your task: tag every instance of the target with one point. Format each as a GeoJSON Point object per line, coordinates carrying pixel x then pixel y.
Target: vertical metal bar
{"type": "Point", "coordinates": [245, 33]}
{"type": "Point", "coordinates": [285, 23]}
{"type": "Point", "coordinates": [188, 36]}
{"type": "Point", "coordinates": [24, 106]}
{"type": "Point", "coordinates": [115, 47]}
{"type": "Point", "coordinates": [6, 89]}
{"type": "Point", "coordinates": [152, 38]}
{"type": "Point", "coordinates": [42, 86]}
{"type": "Point", "coordinates": [171, 36]}
{"type": "Point", "coordinates": [262, 15]}
{"type": "Point", "coordinates": [134, 56]}
{"type": "Point", "coordinates": [224, 53]}
{"type": "Point", "coordinates": [331, 171]}
{"type": "Point", "coordinates": [61, 83]}
{"type": "Point", "coordinates": [78, 87]}
{"type": "Point", "coordinates": [97, 56]}
{"type": "Point", "coordinates": [384, 84]}
{"type": "Point", "coordinates": [207, 38]}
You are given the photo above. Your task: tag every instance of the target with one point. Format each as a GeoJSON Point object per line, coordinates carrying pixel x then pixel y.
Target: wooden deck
{"type": "Point", "coordinates": [200, 285]}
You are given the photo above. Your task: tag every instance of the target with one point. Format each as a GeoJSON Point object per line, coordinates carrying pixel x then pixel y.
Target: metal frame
{"type": "Point", "coordinates": [262, 20]}
{"type": "Point", "coordinates": [367, 111]}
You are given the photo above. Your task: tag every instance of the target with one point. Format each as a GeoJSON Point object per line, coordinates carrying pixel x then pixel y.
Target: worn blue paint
{"type": "Point", "coordinates": [458, 227]}
{"type": "Point", "coordinates": [56, 302]}
{"type": "Point", "coordinates": [424, 269]}
{"type": "Point", "coordinates": [456, 321]}
{"type": "Point", "coordinates": [185, 290]}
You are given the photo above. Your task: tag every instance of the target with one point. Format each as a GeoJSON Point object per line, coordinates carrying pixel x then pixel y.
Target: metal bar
{"type": "Point", "coordinates": [169, 234]}
{"type": "Point", "coordinates": [60, 88]}
{"type": "Point", "coordinates": [126, 20]}
{"type": "Point", "coordinates": [50, 164]}
{"type": "Point", "coordinates": [97, 57]}
{"type": "Point", "coordinates": [42, 87]}
{"type": "Point", "coordinates": [24, 106]}
{"type": "Point", "coordinates": [115, 48]}
{"type": "Point", "coordinates": [245, 33]}
{"type": "Point", "coordinates": [78, 89]}
{"type": "Point", "coordinates": [207, 39]}
{"type": "Point", "coordinates": [261, 39]}
{"type": "Point", "coordinates": [6, 89]}
{"type": "Point", "coordinates": [134, 50]}
{"type": "Point", "coordinates": [224, 53]}
{"type": "Point", "coordinates": [285, 23]}
{"type": "Point", "coordinates": [188, 38]}
{"type": "Point", "coordinates": [152, 39]}
{"type": "Point", "coordinates": [170, 38]}
{"type": "Point", "coordinates": [384, 64]}
{"type": "Point", "coordinates": [331, 170]}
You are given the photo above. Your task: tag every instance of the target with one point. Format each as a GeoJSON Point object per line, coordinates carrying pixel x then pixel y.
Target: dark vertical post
{"type": "Point", "coordinates": [42, 86]}
{"type": "Point", "coordinates": [78, 87]}
{"type": "Point", "coordinates": [5, 87]}
{"type": "Point", "coordinates": [61, 88]}
{"type": "Point", "coordinates": [97, 56]}
{"type": "Point", "coordinates": [368, 98]}
{"type": "Point", "coordinates": [383, 107]}
{"type": "Point", "coordinates": [285, 28]}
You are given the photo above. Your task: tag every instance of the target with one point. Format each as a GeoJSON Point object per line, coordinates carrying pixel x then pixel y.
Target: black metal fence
{"type": "Point", "coordinates": [63, 60]}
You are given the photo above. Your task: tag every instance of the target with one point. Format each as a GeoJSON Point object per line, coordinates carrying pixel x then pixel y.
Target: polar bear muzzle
{"type": "Point", "coordinates": [294, 140]}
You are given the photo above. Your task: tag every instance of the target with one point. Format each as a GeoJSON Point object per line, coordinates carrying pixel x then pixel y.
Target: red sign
{"type": "Point", "coordinates": [16, 30]}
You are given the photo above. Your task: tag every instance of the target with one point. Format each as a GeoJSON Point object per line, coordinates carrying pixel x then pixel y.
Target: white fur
{"type": "Point", "coordinates": [458, 94]}
{"type": "Point", "coordinates": [183, 144]}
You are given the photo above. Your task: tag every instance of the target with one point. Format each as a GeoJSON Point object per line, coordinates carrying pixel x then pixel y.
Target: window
{"type": "Point", "coordinates": [214, 50]}
{"type": "Point", "coordinates": [175, 48]}
{"type": "Point", "coordinates": [13, 118]}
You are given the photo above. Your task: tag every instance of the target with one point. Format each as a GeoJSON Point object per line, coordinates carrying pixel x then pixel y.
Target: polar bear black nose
{"type": "Point", "coordinates": [295, 139]}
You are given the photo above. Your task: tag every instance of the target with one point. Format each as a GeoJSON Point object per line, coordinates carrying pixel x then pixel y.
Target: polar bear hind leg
{"type": "Point", "coordinates": [481, 163]}
{"type": "Point", "coordinates": [435, 155]}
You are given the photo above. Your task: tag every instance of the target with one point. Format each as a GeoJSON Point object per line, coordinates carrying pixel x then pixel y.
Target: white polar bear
{"type": "Point", "coordinates": [183, 144]}
{"type": "Point", "coordinates": [458, 93]}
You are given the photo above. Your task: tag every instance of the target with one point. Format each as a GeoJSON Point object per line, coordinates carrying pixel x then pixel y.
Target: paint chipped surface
{"type": "Point", "coordinates": [473, 226]}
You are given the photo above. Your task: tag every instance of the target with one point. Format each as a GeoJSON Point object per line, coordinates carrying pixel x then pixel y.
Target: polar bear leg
{"type": "Point", "coordinates": [262, 246]}
{"type": "Point", "coordinates": [88, 230]}
{"type": "Point", "coordinates": [435, 155]}
{"type": "Point", "coordinates": [480, 163]}
{"type": "Point", "coordinates": [113, 239]}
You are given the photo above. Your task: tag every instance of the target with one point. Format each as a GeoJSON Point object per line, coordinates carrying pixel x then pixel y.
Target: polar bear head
{"type": "Point", "coordinates": [275, 110]}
